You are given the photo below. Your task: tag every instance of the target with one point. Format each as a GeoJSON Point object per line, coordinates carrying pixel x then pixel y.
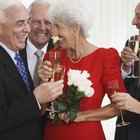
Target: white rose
{"type": "Point", "coordinates": [72, 76]}
{"type": "Point", "coordinates": [85, 75]}
{"type": "Point", "coordinates": [55, 39]}
{"type": "Point", "coordinates": [89, 92]}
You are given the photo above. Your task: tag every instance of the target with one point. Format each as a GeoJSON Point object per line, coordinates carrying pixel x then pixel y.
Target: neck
{"type": "Point", "coordinates": [79, 50]}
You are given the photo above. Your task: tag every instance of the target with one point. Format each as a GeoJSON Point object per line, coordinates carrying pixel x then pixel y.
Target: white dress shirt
{"type": "Point", "coordinates": [10, 52]}
{"type": "Point", "coordinates": [31, 58]}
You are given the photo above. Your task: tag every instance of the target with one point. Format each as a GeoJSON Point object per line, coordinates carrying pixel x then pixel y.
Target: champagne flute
{"type": "Point", "coordinates": [134, 45]}
{"type": "Point", "coordinates": [114, 87]}
{"type": "Point", "coordinates": [57, 75]}
{"type": "Point", "coordinates": [54, 58]}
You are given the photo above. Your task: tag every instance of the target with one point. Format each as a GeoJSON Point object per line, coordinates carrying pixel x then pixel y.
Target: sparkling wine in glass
{"type": "Point", "coordinates": [134, 45]}
{"type": "Point", "coordinates": [114, 87]}
{"type": "Point", "coordinates": [54, 58]}
{"type": "Point", "coordinates": [59, 72]}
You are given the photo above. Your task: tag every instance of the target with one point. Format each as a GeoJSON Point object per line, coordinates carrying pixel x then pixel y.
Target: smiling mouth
{"type": "Point", "coordinates": [22, 38]}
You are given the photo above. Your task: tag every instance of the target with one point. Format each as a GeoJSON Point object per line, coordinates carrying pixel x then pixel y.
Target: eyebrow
{"type": "Point", "coordinates": [22, 20]}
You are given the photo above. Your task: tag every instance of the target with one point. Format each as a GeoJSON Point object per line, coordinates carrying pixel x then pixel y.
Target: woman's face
{"type": "Point", "coordinates": [66, 34]}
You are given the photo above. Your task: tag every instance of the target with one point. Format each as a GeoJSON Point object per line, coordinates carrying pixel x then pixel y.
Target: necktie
{"type": "Point", "coordinates": [21, 69]}
{"type": "Point", "coordinates": [36, 78]}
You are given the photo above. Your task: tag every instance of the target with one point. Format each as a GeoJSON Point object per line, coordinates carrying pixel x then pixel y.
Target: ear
{"type": "Point", "coordinates": [76, 28]}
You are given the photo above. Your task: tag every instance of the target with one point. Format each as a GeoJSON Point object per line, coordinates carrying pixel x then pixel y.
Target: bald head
{"type": "Point", "coordinates": [5, 4]}
{"type": "Point", "coordinates": [136, 19]}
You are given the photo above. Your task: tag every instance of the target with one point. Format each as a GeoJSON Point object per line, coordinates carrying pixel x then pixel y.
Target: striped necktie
{"type": "Point", "coordinates": [36, 79]}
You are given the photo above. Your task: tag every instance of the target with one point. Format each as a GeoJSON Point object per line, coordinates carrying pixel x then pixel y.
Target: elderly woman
{"type": "Point", "coordinates": [72, 20]}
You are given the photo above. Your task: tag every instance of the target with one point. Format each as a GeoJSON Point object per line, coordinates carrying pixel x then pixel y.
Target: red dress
{"type": "Point", "coordinates": [103, 65]}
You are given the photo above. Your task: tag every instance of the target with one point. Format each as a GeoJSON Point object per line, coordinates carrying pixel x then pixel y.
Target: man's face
{"type": "Point", "coordinates": [15, 28]}
{"type": "Point", "coordinates": [41, 28]}
{"type": "Point", "coordinates": [136, 19]}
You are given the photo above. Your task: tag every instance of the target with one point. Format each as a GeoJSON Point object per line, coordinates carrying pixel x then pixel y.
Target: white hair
{"type": "Point", "coordinates": [38, 2]}
{"type": "Point", "coordinates": [71, 12]}
{"type": "Point", "coordinates": [4, 4]}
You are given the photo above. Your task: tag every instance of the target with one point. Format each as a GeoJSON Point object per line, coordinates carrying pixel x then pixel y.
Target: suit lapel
{"type": "Point", "coordinates": [23, 55]}
{"type": "Point", "coordinates": [11, 69]}
{"type": "Point", "coordinates": [50, 45]}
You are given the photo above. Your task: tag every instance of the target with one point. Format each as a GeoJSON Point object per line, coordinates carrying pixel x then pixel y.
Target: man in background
{"type": "Point", "coordinates": [130, 102]}
{"type": "Point", "coordinates": [39, 37]}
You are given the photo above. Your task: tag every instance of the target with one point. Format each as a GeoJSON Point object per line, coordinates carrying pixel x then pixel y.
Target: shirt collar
{"type": "Point", "coordinates": [31, 49]}
{"type": "Point", "coordinates": [10, 52]}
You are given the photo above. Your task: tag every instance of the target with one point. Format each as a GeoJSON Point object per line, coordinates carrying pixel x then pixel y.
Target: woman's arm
{"type": "Point", "coordinates": [99, 114]}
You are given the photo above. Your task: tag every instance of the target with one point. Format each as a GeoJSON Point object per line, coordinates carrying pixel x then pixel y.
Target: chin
{"type": "Point", "coordinates": [21, 46]}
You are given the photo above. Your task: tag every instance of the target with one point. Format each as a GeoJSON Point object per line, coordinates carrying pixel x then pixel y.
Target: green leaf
{"type": "Point", "coordinates": [56, 120]}
{"type": "Point", "coordinates": [79, 95]}
{"type": "Point", "coordinates": [73, 114]}
{"type": "Point", "coordinates": [62, 107]}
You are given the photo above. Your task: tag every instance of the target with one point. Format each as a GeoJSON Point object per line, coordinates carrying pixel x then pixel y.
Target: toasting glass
{"type": "Point", "coordinates": [114, 87]}
{"type": "Point", "coordinates": [58, 73]}
{"type": "Point", "coordinates": [133, 43]}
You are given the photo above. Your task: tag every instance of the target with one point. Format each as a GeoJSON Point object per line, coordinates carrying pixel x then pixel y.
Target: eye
{"type": "Point", "coordinates": [19, 24]}
{"type": "Point", "coordinates": [36, 22]}
{"type": "Point", "coordinates": [47, 23]}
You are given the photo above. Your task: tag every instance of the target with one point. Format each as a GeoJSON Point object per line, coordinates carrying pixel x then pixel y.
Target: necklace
{"type": "Point", "coordinates": [75, 62]}
{"type": "Point", "coordinates": [78, 60]}
{"type": "Point", "coordinates": [84, 52]}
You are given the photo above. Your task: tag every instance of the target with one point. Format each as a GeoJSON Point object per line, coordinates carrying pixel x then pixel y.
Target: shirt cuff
{"type": "Point", "coordinates": [124, 73]}
{"type": "Point", "coordinates": [38, 104]}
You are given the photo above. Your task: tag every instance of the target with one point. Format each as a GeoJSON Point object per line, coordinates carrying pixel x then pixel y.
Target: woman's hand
{"type": "Point", "coordinates": [65, 117]}
{"type": "Point", "coordinates": [45, 71]}
{"type": "Point", "coordinates": [127, 102]}
{"type": "Point", "coordinates": [80, 117]}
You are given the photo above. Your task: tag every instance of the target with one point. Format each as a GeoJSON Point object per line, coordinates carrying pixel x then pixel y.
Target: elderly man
{"type": "Point", "coordinates": [130, 102]}
{"type": "Point", "coordinates": [39, 38]}
{"type": "Point", "coordinates": [20, 105]}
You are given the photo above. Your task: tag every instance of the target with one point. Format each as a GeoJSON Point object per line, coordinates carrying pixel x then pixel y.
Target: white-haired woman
{"type": "Point", "coordinates": [72, 20]}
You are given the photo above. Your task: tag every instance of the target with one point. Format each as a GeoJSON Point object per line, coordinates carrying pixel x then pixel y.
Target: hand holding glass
{"type": "Point", "coordinates": [134, 45]}
{"type": "Point", "coordinates": [114, 87]}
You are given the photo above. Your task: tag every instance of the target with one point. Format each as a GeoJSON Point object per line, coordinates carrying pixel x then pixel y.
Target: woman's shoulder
{"type": "Point", "coordinates": [107, 52]}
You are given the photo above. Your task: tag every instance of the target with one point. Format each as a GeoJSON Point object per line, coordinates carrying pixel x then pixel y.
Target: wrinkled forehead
{"type": "Point", "coordinates": [137, 9]}
{"type": "Point", "coordinates": [16, 12]}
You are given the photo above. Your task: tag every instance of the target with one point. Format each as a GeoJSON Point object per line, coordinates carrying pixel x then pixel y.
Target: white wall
{"type": "Point", "coordinates": [111, 27]}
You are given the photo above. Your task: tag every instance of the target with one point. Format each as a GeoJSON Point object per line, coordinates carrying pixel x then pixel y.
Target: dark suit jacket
{"type": "Point", "coordinates": [132, 131]}
{"type": "Point", "coordinates": [23, 54]}
{"type": "Point", "coordinates": [19, 111]}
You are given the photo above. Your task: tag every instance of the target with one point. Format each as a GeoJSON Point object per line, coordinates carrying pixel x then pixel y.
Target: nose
{"type": "Point", "coordinates": [42, 26]}
{"type": "Point", "coordinates": [26, 28]}
{"type": "Point", "coordinates": [135, 21]}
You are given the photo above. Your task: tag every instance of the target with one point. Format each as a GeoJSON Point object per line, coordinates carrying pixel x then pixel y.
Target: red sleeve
{"type": "Point", "coordinates": [112, 69]}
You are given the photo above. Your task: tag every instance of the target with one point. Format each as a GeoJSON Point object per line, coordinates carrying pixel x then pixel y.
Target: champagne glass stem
{"type": "Point", "coordinates": [133, 66]}
{"type": "Point", "coordinates": [123, 122]}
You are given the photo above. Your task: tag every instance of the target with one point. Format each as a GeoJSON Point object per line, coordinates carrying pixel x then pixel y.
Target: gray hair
{"type": "Point", "coordinates": [4, 4]}
{"type": "Point", "coordinates": [38, 2]}
{"type": "Point", "coordinates": [71, 12]}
